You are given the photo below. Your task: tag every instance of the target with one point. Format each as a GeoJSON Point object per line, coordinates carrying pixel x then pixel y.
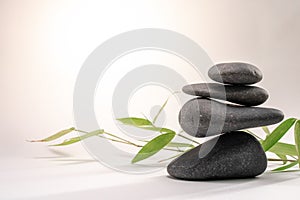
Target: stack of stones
{"type": "Point", "coordinates": [232, 154]}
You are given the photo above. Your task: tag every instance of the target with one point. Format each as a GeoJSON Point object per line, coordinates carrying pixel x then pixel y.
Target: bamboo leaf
{"type": "Point", "coordinates": [266, 130]}
{"type": "Point", "coordinates": [166, 130]}
{"type": "Point", "coordinates": [179, 144]}
{"type": "Point", "coordinates": [284, 149]}
{"type": "Point", "coordinates": [162, 107]}
{"type": "Point", "coordinates": [283, 158]}
{"type": "Point", "coordinates": [170, 158]}
{"type": "Point", "coordinates": [277, 134]}
{"type": "Point", "coordinates": [55, 136]}
{"type": "Point", "coordinates": [67, 142]}
{"type": "Point", "coordinates": [160, 110]}
{"type": "Point", "coordinates": [134, 121]}
{"type": "Point", "coordinates": [292, 164]}
{"type": "Point", "coordinates": [144, 124]}
{"type": "Point", "coordinates": [175, 144]}
{"type": "Point", "coordinates": [297, 139]}
{"type": "Point", "coordinates": [153, 146]}
{"type": "Point", "coordinates": [152, 128]}
{"type": "Point", "coordinates": [79, 138]}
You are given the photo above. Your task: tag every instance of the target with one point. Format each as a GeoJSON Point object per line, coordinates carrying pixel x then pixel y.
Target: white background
{"type": "Point", "coordinates": [43, 45]}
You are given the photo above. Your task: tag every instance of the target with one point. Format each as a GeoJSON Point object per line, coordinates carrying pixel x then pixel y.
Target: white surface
{"type": "Point", "coordinates": [80, 177]}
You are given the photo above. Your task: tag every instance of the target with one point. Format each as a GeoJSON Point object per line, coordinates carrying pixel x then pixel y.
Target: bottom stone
{"type": "Point", "coordinates": [232, 155]}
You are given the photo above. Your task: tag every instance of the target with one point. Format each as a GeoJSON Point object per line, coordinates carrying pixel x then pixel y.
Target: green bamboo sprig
{"type": "Point", "coordinates": [288, 154]}
{"type": "Point", "coordinates": [164, 141]}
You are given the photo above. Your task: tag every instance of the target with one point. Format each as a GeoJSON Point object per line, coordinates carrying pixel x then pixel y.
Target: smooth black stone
{"type": "Point", "coordinates": [244, 95]}
{"type": "Point", "coordinates": [232, 155]}
{"type": "Point", "coordinates": [204, 117]}
{"type": "Point", "coordinates": [235, 73]}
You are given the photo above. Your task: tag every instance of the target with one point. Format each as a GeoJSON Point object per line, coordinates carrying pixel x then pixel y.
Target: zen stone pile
{"type": "Point", "coordinates": [234, 153]}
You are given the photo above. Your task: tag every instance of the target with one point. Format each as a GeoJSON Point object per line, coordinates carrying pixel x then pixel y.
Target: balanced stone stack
{"type": "Point", "coordinates": [234, 153]}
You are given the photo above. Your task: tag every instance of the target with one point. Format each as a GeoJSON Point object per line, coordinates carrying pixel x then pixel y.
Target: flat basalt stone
{"type": "Point", "coordinates": [244, 95]}
{"type": "Point", "coordinates": [232, 155]}
{"type": "Point", "coordinates": [204, 117]}
{"type": "Point", "coordinates": [235, 73]}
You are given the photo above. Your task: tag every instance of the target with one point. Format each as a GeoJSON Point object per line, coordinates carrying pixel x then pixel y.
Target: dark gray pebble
{"type": "Point", "coordinates": [232, 155]}
{"type": "Point", "coordinates": [235, 73]}
{"type": "Point", "coordinates": [244, 95]}
{"type": "Point", "coordinates": [204, 117]}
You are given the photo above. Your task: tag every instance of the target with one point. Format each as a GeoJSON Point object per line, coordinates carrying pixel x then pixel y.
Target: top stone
{"type": "Point", "coordinates": [235, 73]}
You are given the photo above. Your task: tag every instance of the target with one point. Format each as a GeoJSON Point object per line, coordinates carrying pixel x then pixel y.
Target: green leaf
{"type": "Point", "coordinates": [134, 121]}
{"type": "Point", "coordinates": [277, 134]}
{"type": "Point", "coordinates": [176, 144]}
{"type": "Point", "coordinates": [170, 158]}
{"type": "Point", "coordinates": [283, 158]}
{"type": "Point", "coordinates": [179, 144]}
{"type": "Point", "coordinates": [154, 146]}
{"type": "Point", "coordinates": [166, 130]}
{"type": "Point", "coordinates": [284, 149]}
{"type": "Point", "coordinates": [292, 164]}
{"type": "Point", "coordinates": [160, 110]}
{"type": "Point", "coordinates": [79, 138]}
{"type": "Point", "coordinates": [152, 128]}
{"type": "Point", "coordinates": [55, 136]}
{"type": "Point", "coordinates": [144, 124]}
{"type": "Point", "coordinates": [297, 139]}
{"type": "Point", "coordinates": [266, 130]}
{"type": "Point", "coordinates": [163, 106]}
